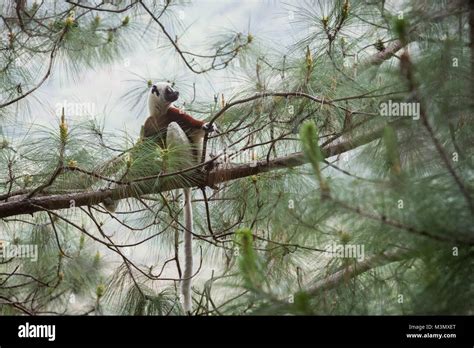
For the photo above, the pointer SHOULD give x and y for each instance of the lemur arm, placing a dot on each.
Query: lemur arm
(155, 125)
(184, 120)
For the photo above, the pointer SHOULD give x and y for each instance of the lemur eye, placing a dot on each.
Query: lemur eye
(155, 90)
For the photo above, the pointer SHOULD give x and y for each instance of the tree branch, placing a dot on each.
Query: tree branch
(23, 205)
(353, 271)
(380, 57)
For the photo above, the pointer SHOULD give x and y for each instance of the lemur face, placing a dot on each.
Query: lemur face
(161, 96)
(164, 92)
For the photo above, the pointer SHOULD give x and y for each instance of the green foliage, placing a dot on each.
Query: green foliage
(144, 302)
(309, 139)
(400, 28)
(249, 263)
(260, 241)
(391, 148)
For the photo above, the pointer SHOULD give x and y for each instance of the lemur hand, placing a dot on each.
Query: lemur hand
(209, 127)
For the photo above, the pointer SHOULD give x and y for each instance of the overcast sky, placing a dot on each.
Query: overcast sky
(101, 88)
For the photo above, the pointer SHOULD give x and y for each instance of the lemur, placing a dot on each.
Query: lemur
(165, 117)
(170, 126)
(181, 129)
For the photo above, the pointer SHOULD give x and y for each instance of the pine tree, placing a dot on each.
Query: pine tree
(341, 181)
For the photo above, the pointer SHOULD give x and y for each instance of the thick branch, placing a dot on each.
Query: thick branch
(21, 205)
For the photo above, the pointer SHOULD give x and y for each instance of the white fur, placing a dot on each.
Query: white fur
(157, 105)
(188, 252)
(175, 136)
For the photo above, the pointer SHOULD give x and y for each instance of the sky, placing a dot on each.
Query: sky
(102, 87)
